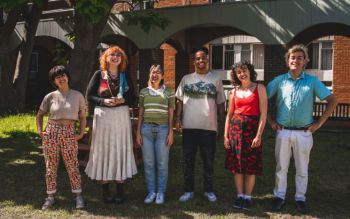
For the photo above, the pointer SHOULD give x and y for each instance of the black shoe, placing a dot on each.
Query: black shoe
(119, 199)
(301, 207)
(247, 204)
(106, 194)
(238, 203)
(278, 204)
(107, 199)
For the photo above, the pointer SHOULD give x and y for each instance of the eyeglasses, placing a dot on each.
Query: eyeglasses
(116, 54)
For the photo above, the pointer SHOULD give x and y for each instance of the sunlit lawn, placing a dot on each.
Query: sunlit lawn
(22, 183)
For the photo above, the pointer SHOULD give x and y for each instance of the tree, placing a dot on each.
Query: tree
(31, 12)
(31, 20)
(89, 21)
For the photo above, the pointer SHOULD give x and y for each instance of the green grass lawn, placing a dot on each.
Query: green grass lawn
(22, 182)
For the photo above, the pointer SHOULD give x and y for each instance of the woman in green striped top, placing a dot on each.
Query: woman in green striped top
(155, 132)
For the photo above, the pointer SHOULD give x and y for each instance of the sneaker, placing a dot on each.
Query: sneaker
(247, 204)
(186, 196)
(301, 207)
(210, 196)
(150, 198)
(79, 202)
(160, 198)
(49, 201)
(238, 202)
(278, 204)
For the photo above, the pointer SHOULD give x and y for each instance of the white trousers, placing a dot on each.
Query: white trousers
(300, 143)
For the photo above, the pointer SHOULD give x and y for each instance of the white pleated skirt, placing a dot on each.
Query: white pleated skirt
(111, 153)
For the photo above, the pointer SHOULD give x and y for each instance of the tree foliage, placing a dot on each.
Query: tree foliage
(147, 21)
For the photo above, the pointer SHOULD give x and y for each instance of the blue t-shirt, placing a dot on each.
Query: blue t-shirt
(295, 98)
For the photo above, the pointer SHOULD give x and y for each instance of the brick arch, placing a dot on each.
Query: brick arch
(320, 30)
(198, 35)
(341, 53)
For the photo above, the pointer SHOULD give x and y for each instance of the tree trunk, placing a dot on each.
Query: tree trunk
(83, 56)
(7, 62)
(24, 55)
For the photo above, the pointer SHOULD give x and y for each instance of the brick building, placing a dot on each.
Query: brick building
(261, 30)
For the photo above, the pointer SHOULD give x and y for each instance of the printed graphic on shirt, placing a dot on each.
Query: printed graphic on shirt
(200, 90)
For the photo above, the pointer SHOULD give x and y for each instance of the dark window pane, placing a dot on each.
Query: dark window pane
(216, 57)
(229, 59)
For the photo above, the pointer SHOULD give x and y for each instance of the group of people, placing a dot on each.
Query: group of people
(199, 116)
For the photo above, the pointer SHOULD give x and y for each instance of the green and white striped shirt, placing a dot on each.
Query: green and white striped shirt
(156, 105)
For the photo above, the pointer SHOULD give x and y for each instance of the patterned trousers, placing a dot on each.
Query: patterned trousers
(58, 138)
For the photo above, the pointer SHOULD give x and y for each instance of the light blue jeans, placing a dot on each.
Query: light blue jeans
(155, 155)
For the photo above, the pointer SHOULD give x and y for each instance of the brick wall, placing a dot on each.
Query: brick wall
(341, 68)
(174, 3)
(169, 65)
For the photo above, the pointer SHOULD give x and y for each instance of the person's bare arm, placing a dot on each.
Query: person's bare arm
(331, 104)
(263, 115)
(39, 123)
(178, 124)
(139, 123)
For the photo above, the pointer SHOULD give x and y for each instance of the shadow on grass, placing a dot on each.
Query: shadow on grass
(23, 184)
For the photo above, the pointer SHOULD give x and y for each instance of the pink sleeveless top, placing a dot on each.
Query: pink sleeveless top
(247, 106)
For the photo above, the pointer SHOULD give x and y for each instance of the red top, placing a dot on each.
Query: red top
(247, 106)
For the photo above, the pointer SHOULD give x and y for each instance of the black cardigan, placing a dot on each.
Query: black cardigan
(95, 100)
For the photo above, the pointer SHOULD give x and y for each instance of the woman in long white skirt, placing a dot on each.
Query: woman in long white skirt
(111, 155)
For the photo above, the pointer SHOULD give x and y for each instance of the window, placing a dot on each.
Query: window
(321, 55)
(33, 68)
(326, 56)
(224, 56)
(313, 55)
(258, 56)
(229, 56)
(216, 60)
(245, 53)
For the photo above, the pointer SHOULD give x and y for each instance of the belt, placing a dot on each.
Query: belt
(151, 123)
(295, 128)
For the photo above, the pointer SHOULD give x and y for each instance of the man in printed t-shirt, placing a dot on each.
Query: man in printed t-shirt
(200, 96)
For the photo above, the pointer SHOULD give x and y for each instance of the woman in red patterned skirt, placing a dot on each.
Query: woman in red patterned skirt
(245, 122)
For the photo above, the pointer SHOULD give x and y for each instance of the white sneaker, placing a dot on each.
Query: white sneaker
(160, 198)
(150, 198)
(49, 202)
(186, 196)
(79, 202)
(210, 196)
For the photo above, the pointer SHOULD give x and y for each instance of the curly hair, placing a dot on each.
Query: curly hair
(252, 73)
(104, 58)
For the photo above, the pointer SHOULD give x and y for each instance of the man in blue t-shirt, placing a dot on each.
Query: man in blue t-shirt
(295, 94)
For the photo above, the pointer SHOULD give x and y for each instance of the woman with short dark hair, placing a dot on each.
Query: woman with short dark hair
(65, 106)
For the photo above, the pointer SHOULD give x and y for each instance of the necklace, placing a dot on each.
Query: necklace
(113, 83)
